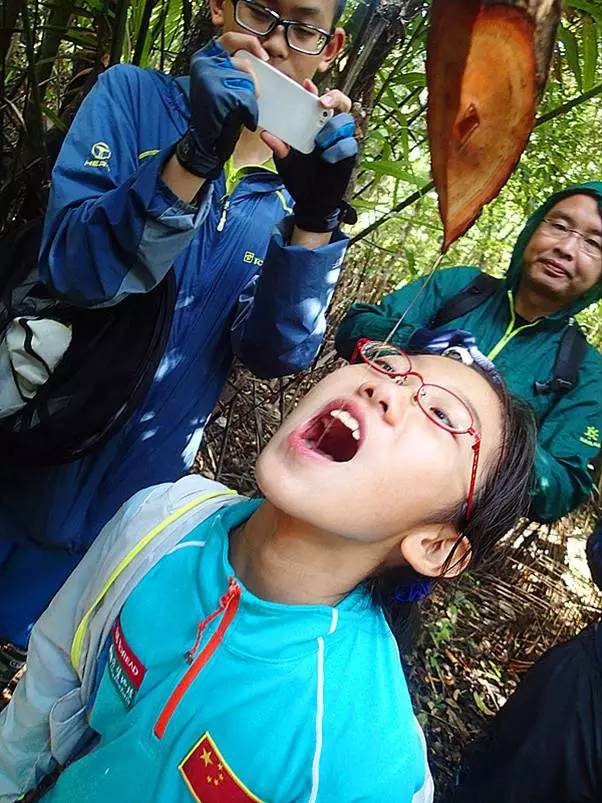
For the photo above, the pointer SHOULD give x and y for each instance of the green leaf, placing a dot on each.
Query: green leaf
(589, 37)
(368, 205)
(385, 167)
(571, 51)
(481, 705)
(54, 118)
(413, 79)
(590, 8)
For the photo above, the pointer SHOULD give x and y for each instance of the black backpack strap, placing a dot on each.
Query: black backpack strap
(570, 356)
(471, 297)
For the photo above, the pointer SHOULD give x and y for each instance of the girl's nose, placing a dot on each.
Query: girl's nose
(389, 397)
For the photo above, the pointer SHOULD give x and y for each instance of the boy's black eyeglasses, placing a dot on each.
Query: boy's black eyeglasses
(300, 36)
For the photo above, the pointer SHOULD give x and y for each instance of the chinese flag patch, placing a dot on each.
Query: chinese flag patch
(209, 778)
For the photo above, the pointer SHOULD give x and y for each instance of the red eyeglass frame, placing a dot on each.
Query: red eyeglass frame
(470, 430)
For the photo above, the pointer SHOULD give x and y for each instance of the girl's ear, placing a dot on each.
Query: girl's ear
(436, 550)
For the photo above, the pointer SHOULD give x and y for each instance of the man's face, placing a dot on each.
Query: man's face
(380, 467)
(559, 268)
(297, 66)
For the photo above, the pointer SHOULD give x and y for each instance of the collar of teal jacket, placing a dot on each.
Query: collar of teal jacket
(593, 188)
(270, 631)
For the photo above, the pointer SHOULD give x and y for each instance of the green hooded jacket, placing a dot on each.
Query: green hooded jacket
(570, 424)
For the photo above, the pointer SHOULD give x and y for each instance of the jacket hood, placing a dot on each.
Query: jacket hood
(593, 188)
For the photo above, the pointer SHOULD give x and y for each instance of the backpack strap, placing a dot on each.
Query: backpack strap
(471, 297)
(570, 356)
(82, 628)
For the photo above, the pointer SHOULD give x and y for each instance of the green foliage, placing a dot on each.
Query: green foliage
(562, 151)
(69, 39)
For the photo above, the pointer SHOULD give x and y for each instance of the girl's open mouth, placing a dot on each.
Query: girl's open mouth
(335, 433)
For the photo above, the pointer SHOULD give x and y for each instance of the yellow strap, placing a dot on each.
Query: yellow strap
(510, 330)
(82, 628)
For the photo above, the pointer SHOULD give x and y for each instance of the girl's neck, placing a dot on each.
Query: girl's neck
(282, 559)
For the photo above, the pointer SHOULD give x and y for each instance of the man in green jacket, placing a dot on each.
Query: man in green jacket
(555, 272)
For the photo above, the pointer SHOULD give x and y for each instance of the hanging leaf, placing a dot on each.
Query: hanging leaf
(589, 38)
(571, 52)
(486, 66)
(482, 97)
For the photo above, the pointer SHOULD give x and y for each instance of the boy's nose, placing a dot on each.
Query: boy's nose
(275, 43)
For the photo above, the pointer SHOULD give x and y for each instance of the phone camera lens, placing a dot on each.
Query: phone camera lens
(325, 114)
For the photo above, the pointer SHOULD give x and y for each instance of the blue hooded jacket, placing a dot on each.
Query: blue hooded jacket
(114, 228)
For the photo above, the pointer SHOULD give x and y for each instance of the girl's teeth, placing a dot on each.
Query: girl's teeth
(348, 420)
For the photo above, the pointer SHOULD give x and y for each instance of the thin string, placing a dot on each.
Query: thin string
(425, 284)
(389, 337)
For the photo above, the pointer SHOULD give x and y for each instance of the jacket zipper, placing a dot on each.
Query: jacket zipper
(228, 605)
(222, 221)
(510, 330)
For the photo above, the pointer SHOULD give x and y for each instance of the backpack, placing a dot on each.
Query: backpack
(102, 376)
(571, 351)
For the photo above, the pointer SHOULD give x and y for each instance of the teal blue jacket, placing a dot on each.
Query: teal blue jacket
(570, 424)
(273, 702)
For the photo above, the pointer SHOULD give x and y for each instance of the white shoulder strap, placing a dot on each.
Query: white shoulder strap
(126, 560)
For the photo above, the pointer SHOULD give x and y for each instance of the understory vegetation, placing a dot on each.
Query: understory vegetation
(479, 635)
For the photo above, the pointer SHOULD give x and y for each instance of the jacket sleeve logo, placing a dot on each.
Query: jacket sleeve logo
(100, 153)
(591, 437)
(209, 778)
(125, 668)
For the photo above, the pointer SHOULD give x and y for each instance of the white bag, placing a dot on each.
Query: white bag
(29, 352)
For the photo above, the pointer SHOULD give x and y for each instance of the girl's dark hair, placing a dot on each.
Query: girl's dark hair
(502, 497)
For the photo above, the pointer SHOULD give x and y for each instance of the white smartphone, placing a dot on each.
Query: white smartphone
(286, 109)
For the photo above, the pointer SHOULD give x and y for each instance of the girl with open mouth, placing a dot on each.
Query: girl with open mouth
(215, 648)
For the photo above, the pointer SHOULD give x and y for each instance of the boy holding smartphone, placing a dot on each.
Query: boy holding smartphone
(158, 172)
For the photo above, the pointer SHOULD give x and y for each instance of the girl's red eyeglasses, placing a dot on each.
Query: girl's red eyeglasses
(441, 406)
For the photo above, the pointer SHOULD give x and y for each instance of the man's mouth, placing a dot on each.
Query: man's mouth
(555, 268)
(335, 434)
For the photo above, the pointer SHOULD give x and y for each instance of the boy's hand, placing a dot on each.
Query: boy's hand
(318, 181)
(222, 101)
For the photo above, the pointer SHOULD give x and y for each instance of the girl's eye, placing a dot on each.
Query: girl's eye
(442, 417)
(594, 245)
(559, 227)
(384, 365)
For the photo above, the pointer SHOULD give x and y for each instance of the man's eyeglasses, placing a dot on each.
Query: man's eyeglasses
(300, 36)
(441, 406)
(588, 244)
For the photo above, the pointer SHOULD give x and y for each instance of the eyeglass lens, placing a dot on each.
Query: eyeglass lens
(262, 21)
(441, 406)
(590, 245)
